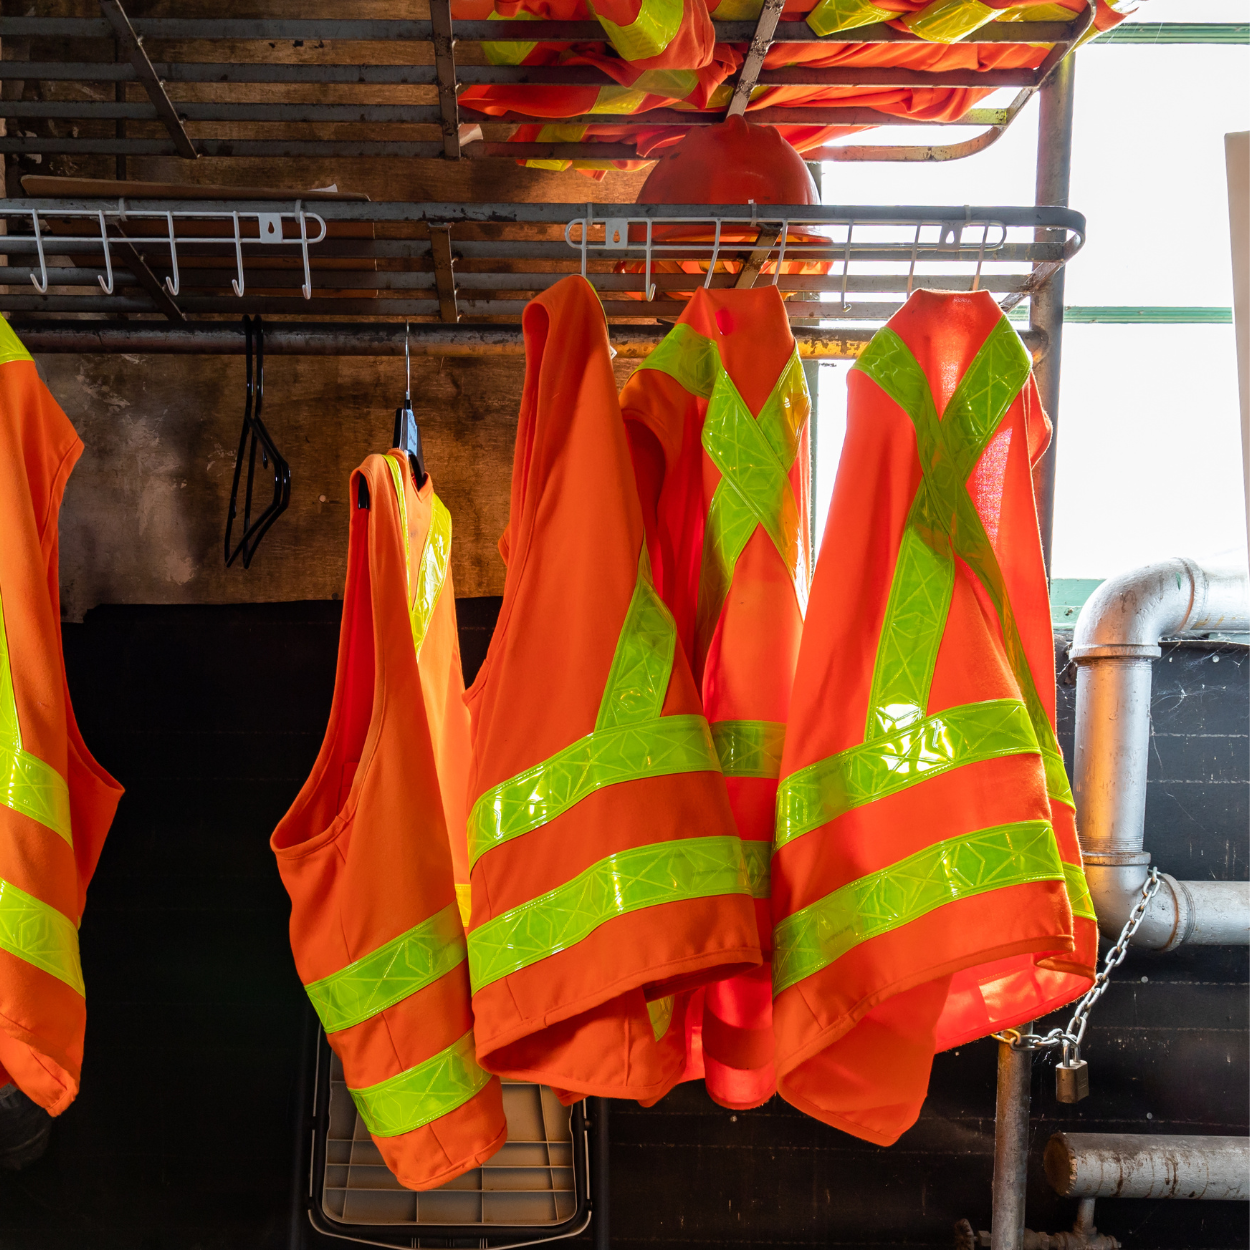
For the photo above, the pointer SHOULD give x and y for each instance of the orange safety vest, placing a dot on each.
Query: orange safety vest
(56, 802)
(717, 416)
(606, 871)
(926, 879)
(364, 853)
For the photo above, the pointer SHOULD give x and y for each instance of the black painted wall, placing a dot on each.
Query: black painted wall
(183, 1136)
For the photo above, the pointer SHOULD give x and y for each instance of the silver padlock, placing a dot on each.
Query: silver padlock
(1071, 1080)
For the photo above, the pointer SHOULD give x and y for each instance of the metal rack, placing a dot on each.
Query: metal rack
(90, 107)
(446, 263)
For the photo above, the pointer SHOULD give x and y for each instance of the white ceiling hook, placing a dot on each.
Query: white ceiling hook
(105, 286)
(172, 284)
(237, 283)
(41, 287)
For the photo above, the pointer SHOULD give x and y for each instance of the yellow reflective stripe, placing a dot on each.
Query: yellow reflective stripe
(11, 347)
(688, 357)
(509, 53)
(423, 1093)
(654, 28)
(39, 935)
(435, 557)
(758, 859)
(832, 15)
(464, 902)
(947, 21)
(607, 757)
(958, 868)
(749, 748)
(27, 784)
(394, 971)
(862, 774)
(1038, 13)
(643, 660)
(1079, 897)
(628, 881)
(661, 1013)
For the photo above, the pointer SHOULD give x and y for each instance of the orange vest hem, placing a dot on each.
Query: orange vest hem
(687, 966)
(787, 1062)
(51, 1081)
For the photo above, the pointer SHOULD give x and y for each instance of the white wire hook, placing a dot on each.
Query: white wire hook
(306, 289)
(106, 287)
(238, 283)
(171, 285)
(43, 264)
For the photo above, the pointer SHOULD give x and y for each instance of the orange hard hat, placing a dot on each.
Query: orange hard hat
(732, 162)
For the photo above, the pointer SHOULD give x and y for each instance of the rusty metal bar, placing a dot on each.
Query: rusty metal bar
(1054, 170)
(128, 254)
(750, 71)
(376, 338)
(445, 67)
(444, 279)
(764, 245)
(1011, 1146)
(132, 45)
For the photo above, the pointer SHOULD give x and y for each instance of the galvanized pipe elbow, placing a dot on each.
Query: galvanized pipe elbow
(1114, 646)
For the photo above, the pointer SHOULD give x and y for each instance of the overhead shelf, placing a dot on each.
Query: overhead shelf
(462, 273)
(88, 111)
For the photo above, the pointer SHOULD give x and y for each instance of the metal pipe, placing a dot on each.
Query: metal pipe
(1115, 642)
(1131, 1165)
(1054, 175)
(1011, 1145)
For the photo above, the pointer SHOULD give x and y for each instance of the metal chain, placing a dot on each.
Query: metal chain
(1070, 1038)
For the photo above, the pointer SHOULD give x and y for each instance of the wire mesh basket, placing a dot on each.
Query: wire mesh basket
(536, 1188)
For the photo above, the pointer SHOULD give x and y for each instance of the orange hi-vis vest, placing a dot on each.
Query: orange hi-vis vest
(56, 802)
(718, 416)
(607, 875)
(364, 852)
(926, 879)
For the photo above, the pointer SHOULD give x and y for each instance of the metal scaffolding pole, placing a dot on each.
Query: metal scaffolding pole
(1054, 170)
(1011, 1145)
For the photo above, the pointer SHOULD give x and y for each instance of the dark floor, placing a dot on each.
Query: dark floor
(183, 1136)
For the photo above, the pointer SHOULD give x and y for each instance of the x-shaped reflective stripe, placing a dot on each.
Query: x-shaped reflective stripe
(754, 455)
(943, 523)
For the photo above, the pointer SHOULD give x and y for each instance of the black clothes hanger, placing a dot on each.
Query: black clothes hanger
(407, 432)
(254, 432)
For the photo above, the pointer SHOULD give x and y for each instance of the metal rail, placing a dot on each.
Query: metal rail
(189, 258)
(197, 128)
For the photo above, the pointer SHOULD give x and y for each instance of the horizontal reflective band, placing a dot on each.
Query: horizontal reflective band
(1079, 898)
(654, 28)
(509, 53)
(606, 757)
(948, 21)
(749, 748)
(35, 789)
(629, 881)
(27, 784)
(40, 935)
(987, 859)
(825, 790)
(424, 1093)
(391, 973)
(832, 15)
(758, 858)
